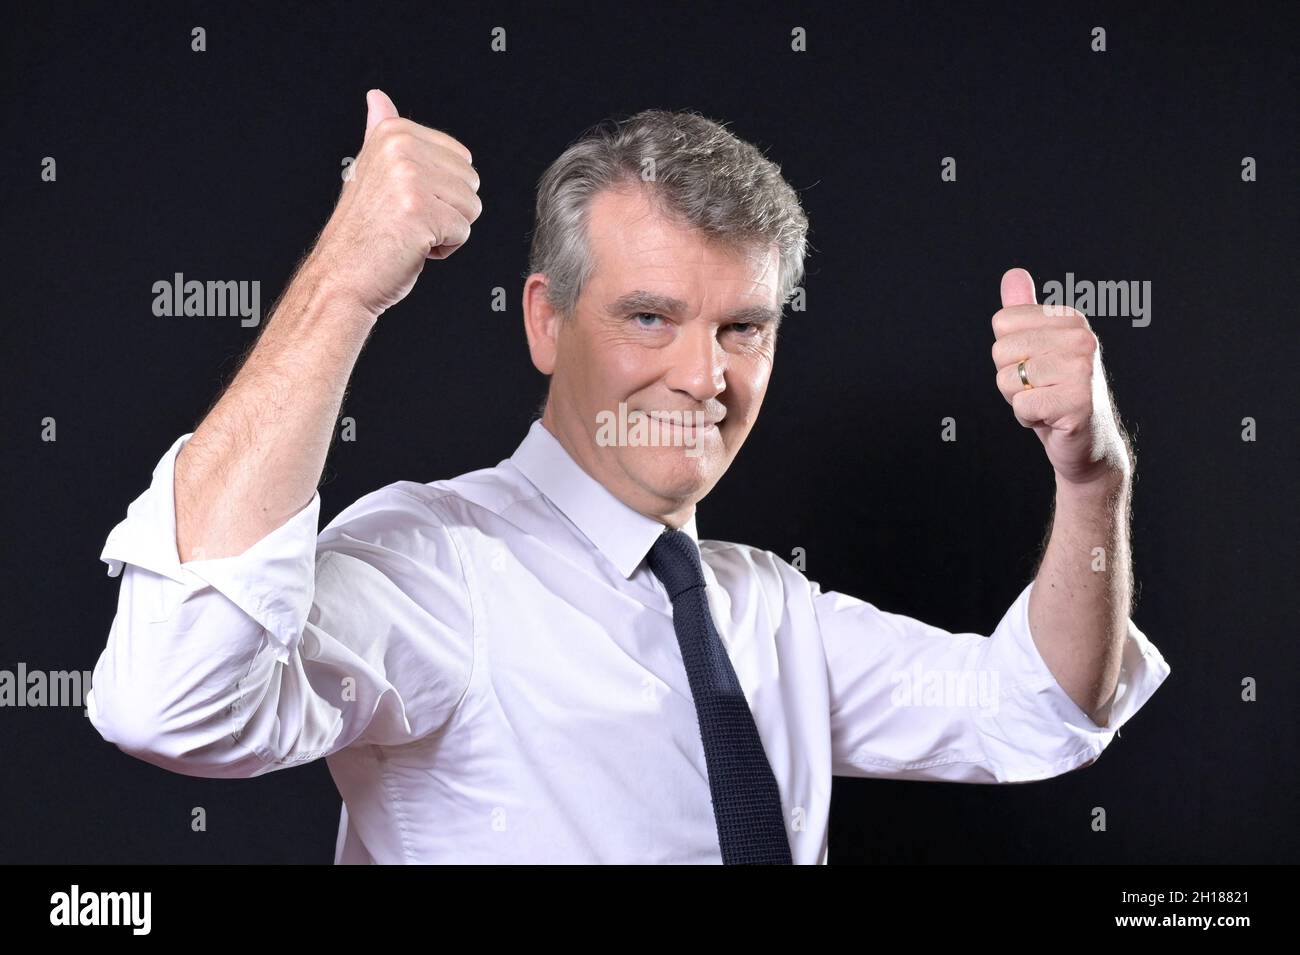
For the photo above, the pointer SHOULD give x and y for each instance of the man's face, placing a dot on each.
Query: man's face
(668, 324)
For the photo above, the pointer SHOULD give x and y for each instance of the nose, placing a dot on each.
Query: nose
(698, 362)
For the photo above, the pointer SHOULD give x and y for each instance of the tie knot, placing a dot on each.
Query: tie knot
(675, 560)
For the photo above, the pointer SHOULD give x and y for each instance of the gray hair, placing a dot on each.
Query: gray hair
(698, 173)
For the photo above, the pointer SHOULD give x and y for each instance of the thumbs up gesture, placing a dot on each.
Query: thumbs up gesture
(1049, 369)
(412, 197)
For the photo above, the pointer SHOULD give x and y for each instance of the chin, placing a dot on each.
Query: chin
(671, 473)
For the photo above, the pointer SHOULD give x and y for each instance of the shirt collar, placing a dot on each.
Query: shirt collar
(622, 534)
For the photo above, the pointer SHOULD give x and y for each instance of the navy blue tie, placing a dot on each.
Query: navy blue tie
(746, 801)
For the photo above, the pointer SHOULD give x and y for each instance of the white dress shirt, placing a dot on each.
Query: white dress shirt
(491, 672)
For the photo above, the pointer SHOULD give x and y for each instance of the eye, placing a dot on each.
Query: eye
(640, 315)
(744, 329)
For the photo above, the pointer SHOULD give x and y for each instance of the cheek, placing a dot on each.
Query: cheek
(600, 368)
(748, 380)
(625, 369)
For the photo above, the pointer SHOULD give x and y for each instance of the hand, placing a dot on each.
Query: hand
(412, 197)
(1069, 405)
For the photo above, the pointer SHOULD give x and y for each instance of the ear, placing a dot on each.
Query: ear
(541, 323)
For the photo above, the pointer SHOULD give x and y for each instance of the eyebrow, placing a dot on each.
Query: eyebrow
(642, 301)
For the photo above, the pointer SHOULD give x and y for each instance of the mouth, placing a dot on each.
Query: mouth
(688, 423)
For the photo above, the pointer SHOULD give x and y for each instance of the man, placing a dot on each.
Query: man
(541, 661)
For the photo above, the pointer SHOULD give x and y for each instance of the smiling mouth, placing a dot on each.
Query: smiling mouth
(685, 425)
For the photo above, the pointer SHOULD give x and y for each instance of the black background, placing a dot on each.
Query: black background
(1123, 165)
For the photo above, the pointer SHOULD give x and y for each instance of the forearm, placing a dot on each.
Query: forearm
(1081, 600)
(256, 458)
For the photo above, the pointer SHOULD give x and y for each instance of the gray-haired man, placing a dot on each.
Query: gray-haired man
(541, 661)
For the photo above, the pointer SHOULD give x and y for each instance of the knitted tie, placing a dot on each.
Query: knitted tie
(746, 801)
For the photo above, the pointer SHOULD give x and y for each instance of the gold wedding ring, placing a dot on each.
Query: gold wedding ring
(1024, 378)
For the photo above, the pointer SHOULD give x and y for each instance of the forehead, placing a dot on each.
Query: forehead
(632, 241)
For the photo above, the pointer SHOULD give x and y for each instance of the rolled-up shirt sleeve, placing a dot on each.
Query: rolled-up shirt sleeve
(271, 582)
(300, 646)
(913, 701)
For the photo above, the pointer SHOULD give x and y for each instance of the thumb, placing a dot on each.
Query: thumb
(378, 107)
(1018, 288)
